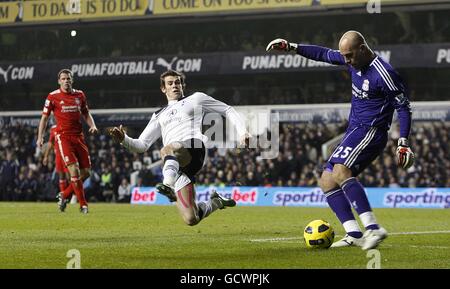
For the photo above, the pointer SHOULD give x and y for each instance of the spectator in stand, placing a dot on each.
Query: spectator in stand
(124, 191)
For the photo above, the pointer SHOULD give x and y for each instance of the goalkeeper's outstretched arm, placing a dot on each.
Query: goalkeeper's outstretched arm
(313, 52)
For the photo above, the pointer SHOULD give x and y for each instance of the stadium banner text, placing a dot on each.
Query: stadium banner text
(47, 11)
(62, 10)
(305, 197)
(341, 2)
(400, 56)
(9, 12)
(174, 7)
(182, 7)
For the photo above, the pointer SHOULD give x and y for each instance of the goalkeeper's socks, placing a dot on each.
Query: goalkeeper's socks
(356, 195)
(355, 234)
(369, 221)
(170, 170)
(339, 204)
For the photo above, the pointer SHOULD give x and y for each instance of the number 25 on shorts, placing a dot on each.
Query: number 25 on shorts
(342, 152)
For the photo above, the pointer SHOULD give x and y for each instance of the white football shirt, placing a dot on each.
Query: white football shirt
(181, 120)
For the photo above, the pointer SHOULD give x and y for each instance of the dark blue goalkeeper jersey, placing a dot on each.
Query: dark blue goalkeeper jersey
(377, 90)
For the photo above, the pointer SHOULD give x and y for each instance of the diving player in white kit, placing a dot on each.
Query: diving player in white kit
(179, 124)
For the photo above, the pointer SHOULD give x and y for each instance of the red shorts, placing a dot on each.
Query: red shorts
(73, 149)
(59, 163)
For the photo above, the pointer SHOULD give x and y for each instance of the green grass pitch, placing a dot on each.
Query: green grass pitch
(36, 235)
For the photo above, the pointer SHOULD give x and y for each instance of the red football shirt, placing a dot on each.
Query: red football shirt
(67, 108)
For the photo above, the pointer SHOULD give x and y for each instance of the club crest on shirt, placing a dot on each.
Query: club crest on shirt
(77, 101)
(365, 85)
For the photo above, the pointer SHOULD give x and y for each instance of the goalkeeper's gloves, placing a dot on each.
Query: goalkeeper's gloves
(405, 156)
(282, 45)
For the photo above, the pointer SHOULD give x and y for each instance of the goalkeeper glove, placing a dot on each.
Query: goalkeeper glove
(405, 156)
(282, 45)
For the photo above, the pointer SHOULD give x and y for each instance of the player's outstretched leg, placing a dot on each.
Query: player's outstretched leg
(186, 205)
(170, 170)
(215, 202)
(170, 173)
(191, 212)
(221, 201)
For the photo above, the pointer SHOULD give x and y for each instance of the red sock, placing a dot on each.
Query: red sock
(62, 185)
(68, 190)
(77, 185)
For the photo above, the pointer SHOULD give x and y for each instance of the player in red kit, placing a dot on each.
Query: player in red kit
(68, 106)
(60, 167)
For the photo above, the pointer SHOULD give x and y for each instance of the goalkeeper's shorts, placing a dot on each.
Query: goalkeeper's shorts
(359, 147)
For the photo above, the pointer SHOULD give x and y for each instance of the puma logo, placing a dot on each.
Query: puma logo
(4, 73)
(164, 63)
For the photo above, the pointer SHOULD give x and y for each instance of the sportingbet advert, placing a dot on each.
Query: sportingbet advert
(306, 197)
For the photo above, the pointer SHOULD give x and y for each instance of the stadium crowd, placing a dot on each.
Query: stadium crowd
(156, 38)
(24, 178)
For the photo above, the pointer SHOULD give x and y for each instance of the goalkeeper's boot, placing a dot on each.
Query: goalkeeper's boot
(348, 241)
(84, 210)
(223, 202)
(166, 191)
(372, 238)
(62, 203)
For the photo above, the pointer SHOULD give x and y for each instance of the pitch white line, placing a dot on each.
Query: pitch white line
(416, 246)
(420, 233)
(281, 239)
(275, 239)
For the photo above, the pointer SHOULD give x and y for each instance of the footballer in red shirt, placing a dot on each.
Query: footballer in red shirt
(69, 106)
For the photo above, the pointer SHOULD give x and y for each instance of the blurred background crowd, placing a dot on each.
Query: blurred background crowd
(300, 160)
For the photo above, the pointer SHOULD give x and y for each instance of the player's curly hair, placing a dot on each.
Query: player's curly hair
(172, 73)
(66, 71)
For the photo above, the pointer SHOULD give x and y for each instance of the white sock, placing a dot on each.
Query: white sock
(351, 226)
(367, 219)
(208, 207)
(170, 171)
